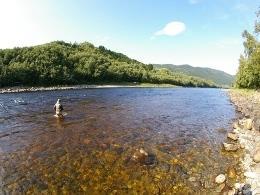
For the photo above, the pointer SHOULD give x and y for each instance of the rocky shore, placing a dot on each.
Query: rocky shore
(34, 89)
(246, 136)
(54, 88)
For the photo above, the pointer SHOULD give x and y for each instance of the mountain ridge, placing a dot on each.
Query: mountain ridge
(217, 76)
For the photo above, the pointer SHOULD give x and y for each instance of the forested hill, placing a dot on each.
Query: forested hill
(59, 63)
(219, 77)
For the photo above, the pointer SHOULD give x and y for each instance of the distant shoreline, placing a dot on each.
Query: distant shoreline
(91, 86)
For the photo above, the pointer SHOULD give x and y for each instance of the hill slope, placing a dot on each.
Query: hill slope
(59, 62)
(219, 77)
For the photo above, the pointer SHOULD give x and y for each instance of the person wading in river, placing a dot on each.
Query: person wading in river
(58, 108)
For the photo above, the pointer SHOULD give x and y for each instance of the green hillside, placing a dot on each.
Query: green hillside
(219, 77)
(59, 63)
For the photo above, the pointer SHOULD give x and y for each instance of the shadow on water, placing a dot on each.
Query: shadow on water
(115, 141)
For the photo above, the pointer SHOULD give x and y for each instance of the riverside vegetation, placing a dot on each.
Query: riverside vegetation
(248, 75)
(61, 63)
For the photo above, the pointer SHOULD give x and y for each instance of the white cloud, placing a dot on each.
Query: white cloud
(172, 29)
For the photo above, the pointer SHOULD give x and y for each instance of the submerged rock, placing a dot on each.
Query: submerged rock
(222, 130)
(233, 136)
(256, 156)
(231, 147)
(220, 179)
(220, 187)
(139, 155)
(143, 157)
(150, 159)
(231, 172)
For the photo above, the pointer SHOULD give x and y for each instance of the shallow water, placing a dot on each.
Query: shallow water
(92, 150)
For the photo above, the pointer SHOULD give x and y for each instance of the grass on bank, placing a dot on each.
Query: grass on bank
(244, 92)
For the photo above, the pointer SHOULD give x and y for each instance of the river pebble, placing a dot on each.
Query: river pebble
(231, 146)
(233, 136)
(256, 156)
(220, 179)
(248, 124)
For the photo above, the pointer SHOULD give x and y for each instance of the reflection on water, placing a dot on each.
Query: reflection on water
(114, 141)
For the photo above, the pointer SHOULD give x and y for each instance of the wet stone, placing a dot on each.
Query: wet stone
(231, 146)
(246, 186)
(231, 172)
(150, 159)
(220, 187)
(256, 156)
(236, 125)
(246, 189)
(248, 124)
(143, 157)
(242, 145)
(222, 130)
(192, 179)
(220, 179)
(233, 136)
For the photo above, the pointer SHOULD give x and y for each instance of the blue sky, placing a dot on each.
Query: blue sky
(203, 33)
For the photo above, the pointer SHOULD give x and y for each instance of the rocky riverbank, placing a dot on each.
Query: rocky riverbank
(54, 88)
(246, 136)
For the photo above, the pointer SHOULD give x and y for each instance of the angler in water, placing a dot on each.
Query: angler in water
(58, 108)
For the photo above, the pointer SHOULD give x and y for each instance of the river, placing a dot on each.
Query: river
(95, 148)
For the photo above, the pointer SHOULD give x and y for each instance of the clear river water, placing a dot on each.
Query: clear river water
(116, 141)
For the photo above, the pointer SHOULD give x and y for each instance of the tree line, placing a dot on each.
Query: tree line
(248, 75)
(61, 63)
